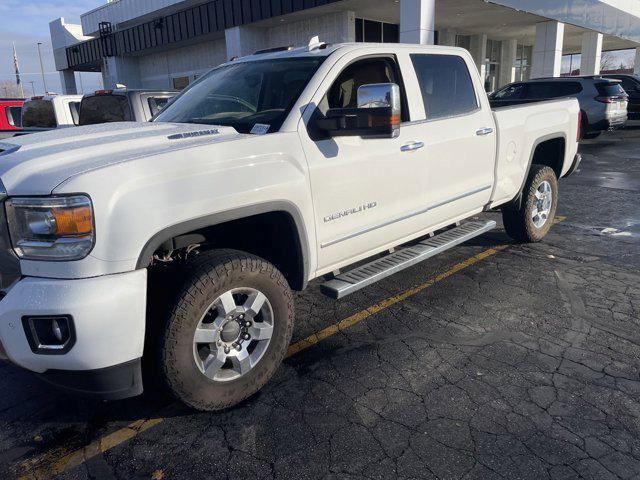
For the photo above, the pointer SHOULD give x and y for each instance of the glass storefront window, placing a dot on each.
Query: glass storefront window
(523, 62)
(463, 41)
(492, 65)
(376, 32)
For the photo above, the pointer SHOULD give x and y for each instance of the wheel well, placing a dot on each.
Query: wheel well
(551, 153)
(273, 236)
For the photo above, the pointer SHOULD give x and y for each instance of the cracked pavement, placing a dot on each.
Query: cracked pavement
(523, 365)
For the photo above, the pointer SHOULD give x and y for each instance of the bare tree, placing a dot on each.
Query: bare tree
(9, 89)
(611, 61)
(608, 61)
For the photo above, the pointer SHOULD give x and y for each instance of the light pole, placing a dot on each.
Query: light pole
(33, 88)
(44, 82)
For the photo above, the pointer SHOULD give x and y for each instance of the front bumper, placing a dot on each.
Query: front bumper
(109, 320)
(111, 383)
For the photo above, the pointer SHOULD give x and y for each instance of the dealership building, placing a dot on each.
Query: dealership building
(170, 43)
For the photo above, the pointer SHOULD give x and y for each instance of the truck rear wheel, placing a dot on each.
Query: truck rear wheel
(532, 221)
(228, 331)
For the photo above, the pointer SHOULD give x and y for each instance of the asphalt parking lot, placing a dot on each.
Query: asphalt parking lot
(491, 361)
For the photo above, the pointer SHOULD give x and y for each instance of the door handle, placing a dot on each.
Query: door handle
(412, 147)
(484, 131)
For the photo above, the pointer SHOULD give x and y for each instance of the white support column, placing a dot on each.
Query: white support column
(591, 53)
(121, 70)
(68, 82)
(245, 40)
(447, 38)
(508, 62)
(417, 21)
(547, 51)
(478, 50)
(636, 68)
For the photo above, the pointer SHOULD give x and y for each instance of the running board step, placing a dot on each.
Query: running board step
(372, 272)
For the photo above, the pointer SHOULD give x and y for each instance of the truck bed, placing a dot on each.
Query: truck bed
(521, 128)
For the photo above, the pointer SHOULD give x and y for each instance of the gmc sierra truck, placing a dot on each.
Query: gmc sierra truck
(180, 241)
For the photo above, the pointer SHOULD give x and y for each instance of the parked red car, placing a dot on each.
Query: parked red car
(10, 115)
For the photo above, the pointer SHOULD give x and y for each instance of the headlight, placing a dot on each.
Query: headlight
(51, 228)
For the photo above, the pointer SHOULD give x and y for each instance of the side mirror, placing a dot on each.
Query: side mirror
(378, 114)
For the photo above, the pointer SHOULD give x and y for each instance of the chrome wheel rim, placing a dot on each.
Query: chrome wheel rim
(233, 334)
(542, 204)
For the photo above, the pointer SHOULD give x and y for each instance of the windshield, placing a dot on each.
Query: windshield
(104, 109)
(249, 96)
(39, 113)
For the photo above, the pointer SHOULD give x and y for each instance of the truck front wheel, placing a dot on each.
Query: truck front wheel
(228, 331)
(532, 220)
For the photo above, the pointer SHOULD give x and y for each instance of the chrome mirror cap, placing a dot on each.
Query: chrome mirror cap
(379, 95)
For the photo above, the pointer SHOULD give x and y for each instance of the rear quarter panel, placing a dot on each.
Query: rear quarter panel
(520, 129)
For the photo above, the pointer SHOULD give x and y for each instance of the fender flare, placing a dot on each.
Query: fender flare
(516, 203)
(302, 241)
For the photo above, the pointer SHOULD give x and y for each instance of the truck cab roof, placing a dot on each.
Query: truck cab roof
(131, 92)
(326, 49)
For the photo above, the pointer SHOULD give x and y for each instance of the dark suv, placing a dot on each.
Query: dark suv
(603, 102)
(122, 105)
(631, 85)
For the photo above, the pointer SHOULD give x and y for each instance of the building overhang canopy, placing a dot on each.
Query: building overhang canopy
(499, 19)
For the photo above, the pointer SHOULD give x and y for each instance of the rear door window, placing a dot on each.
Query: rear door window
(546, 90)
(566, 89)
(446, 85)
(104, 109)
(39, 114)
(541, 90)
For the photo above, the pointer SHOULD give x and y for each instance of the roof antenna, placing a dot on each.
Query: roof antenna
(315, 43)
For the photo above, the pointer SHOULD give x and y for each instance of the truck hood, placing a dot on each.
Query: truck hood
(36, 164)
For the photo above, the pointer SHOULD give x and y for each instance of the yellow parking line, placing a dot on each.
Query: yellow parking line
(362, 315)
(60, 460)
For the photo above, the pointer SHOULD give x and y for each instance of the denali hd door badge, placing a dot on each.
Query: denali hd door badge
(351, 211)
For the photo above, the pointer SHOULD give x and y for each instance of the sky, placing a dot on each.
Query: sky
(26, 22)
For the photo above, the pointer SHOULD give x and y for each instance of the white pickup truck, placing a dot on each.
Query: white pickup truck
(52, 111)
(181, 240)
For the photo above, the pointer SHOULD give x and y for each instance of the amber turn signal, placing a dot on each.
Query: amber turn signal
(73, 221)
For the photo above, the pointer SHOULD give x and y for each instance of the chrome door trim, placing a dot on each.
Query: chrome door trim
(404, 217)
(484, 131)
(412, 147)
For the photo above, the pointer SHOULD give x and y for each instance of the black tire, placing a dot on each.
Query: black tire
(519, 223)
(591, 136)
(210, 275)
